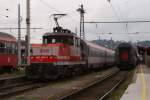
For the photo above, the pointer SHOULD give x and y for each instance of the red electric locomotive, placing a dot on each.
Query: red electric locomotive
(8, 52)
(63, 53)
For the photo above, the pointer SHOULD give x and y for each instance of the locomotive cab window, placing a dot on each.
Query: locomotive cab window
(58, 39)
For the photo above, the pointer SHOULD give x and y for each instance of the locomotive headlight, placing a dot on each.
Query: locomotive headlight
(37, 57)
(50, 57)
(32, 57)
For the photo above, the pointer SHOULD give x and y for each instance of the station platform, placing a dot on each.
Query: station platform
(139, 89)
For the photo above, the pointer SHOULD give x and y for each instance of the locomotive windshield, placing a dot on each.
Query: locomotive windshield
(58, 39)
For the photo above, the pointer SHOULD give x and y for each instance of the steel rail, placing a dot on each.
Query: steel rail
(112, 89)
(88, 86)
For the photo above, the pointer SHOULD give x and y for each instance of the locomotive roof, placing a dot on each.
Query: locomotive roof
(59, 31)
(7, 37)
(59, 34)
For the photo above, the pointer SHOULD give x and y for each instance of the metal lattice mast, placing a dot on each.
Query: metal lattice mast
(81, 11)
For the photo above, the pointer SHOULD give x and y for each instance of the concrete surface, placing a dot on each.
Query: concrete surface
(140, 88)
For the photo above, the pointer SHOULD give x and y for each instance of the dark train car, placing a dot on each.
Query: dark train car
(63, 53)
(8, 54)
(126, 56)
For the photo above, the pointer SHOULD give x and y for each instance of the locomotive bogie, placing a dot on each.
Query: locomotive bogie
(51, 71)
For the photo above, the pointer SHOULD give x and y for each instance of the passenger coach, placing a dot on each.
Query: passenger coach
(8, 52)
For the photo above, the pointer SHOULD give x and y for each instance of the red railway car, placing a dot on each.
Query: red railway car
(8, 52)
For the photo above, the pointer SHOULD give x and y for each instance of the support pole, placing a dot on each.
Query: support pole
(19, 36)
(28, 31)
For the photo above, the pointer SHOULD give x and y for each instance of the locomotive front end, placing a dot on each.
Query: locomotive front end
(42, 59)
(52, 58)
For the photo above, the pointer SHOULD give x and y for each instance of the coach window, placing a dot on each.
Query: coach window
(5, 44)
(5, 47)
(2, 45)
(9, 48)
(14, 48)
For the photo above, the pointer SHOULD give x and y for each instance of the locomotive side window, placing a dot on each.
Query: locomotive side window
(53, 40)
(45, 41)
(70, 41)
(77, 42)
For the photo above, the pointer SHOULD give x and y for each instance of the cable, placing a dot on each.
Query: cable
(123, 22)
(49, 6)
(126, 1)
(114, 10)
(58, 11)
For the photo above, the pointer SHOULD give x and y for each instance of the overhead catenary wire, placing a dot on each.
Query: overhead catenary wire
(49, 6)
(115, 22)
(119, 18)
(56, 10)
(114, 10)
(121, 33)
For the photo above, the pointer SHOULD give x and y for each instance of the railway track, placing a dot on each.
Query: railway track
(14, 85)
(14, 89)
(10, 80)
(98, 90)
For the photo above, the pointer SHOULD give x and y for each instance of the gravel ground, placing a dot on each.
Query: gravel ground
(60, 88)
(15, 73)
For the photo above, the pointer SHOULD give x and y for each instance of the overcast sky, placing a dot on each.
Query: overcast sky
(96, 10)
